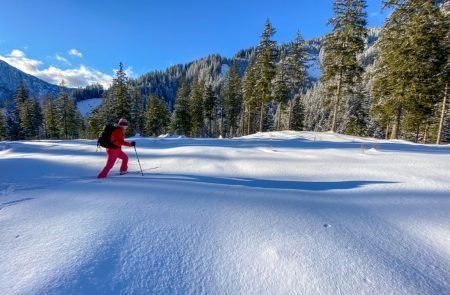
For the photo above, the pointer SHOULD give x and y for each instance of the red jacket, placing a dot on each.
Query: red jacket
(118, 139)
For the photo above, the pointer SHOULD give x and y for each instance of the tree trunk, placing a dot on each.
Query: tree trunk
(261, 117)
(336, 103)
(242, 123)
(249, 116)
(280, 108)
(443, 113)
(425, 136)
(290, 114)
(396, 126)
(387, 131)
(210, 127)
(416, 140)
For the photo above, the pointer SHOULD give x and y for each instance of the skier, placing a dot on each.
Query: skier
(117, 139)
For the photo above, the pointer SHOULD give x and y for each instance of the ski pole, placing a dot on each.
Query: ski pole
(138, 160)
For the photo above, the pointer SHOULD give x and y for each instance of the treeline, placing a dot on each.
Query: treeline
(27, 118)
(398, 90)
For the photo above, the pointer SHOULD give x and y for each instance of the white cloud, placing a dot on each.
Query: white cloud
(62, 58)
(17, 53)
(76, 77)
(75, 52)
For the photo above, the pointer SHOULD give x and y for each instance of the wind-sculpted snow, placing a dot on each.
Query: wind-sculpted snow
(271, 213)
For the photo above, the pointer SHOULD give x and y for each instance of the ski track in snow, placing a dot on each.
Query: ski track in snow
(272, 213)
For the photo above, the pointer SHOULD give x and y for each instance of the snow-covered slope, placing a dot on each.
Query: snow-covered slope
(272, 213)
(10, 78)
(87, 106)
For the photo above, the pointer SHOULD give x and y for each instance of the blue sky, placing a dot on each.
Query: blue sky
(83, 41)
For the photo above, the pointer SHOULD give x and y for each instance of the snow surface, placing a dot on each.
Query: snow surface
(272, 213)
(87, 106)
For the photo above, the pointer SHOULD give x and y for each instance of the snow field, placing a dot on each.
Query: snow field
(273, 213)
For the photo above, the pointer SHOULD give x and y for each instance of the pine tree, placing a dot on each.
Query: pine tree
(26, 122)
(209, 105)
(2, 125)
(298, 116)
(20, 106)
(157, 117)
(281, 91)
(296, 63)
(233, 99)
(51, 128)
(12, 121)
(197, 112)
(266, 58)
(355, 119)
(68, 116)
(341, 68)
(250, 98)
(121, 100)
(137, 112)
(181, 117)
(37, 117)
(413, 53)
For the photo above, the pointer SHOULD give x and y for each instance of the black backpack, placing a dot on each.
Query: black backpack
(104, 140)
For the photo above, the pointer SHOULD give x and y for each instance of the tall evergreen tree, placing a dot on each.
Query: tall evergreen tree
(298, 114)
(356, 115)
(209, 105)
(250, 98)
(341, 68)
(2, 125)
(20, 106)
(12, 121)
(266, 58)
(296, 63)
(413, 54)
(181, 117)
(137, 111)
(281, 89)
(157, 117)
(37, 117)
(26, 122)
(51, 128)
(233, 99)
(121, 99)
(68, 116)
(196, 105)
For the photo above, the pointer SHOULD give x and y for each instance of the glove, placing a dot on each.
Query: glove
(133, 143)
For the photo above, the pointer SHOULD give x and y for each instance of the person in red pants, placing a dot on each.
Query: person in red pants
(118, 139)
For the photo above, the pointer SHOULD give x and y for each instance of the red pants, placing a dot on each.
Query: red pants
(112, 157)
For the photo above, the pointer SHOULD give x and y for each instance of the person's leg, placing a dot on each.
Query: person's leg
(112, 157)
(124, 158)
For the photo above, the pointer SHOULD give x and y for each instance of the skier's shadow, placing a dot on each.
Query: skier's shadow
(267, 183)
